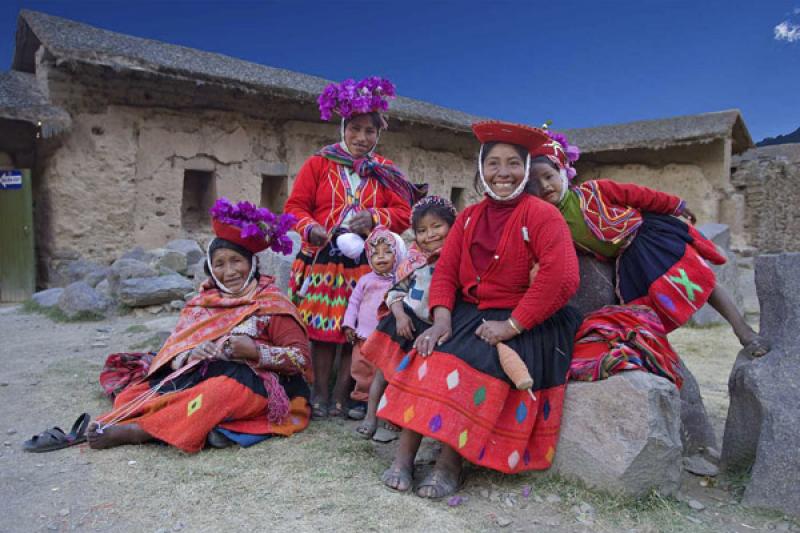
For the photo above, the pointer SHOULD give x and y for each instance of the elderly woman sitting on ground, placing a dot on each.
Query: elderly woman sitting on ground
(237, 367)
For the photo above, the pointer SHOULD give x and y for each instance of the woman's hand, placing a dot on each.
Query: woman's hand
(361, 223)
(435, 335)
(317, 236)
(206, 350)
(432, 337)
(687, 214)
(242, 348)
(494, 331)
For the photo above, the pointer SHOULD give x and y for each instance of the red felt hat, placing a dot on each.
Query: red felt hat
(232, 233)
(507, 132)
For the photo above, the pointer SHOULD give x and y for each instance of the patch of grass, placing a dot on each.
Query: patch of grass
(611, 509)
(57, 315)
(136, 328)
(737, 479)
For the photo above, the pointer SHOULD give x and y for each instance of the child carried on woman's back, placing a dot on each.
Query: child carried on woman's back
(431, 219)
(385, 250)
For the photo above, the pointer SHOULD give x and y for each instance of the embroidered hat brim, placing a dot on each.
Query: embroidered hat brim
(506, 132)
(233, 234)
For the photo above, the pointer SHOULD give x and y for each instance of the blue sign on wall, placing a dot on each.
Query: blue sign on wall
(10, 179)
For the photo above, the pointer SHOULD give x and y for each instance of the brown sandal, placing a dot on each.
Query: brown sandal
(319, 411)
(443, 483)
(336, 410)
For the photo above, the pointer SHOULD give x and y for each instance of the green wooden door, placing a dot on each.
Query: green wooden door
(17, 263)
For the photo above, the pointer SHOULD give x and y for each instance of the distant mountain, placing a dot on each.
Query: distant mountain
(793, 137)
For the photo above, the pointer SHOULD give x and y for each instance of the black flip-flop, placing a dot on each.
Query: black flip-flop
(55, 438)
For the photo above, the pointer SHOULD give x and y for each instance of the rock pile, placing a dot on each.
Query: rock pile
(147, 281)
(622, 434)
(628, 433)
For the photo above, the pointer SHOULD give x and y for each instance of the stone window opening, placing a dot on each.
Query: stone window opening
(274, 192)
(458, 198)
(199, 194)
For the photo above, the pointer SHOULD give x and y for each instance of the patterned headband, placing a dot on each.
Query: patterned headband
(432, 200)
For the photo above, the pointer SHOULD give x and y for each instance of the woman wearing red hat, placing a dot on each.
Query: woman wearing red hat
(339, 195)
(505, 274)
(236, 369)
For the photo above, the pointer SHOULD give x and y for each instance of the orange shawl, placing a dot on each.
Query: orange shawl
(212, 314)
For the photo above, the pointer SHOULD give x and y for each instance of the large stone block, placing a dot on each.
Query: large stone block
(140, 292)
(697, 433)
(622, 434)
(597, 290)
(80, 300)
(168, 259)
(597, 285)
(47, 298)
(764, 411)
(278, 265)
(189, 248)
(127, 268)
(78, 270)
(778, 286)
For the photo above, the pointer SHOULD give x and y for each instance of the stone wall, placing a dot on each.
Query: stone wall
(769, 178)
(117, 178)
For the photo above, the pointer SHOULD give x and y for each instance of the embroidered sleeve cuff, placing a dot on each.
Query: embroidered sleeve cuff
(679, 210)
(272, 357)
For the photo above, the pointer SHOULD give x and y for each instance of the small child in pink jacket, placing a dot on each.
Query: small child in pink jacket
(385, 250)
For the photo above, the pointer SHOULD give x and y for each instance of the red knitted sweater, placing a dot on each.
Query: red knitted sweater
(534, 270)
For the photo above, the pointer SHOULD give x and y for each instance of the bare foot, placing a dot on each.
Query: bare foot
(755, 345)
(367, 427)
(115, 436)
(445, 478)
(398, 476)
(439, 483)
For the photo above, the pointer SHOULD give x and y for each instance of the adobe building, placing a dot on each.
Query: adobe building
(128, 141)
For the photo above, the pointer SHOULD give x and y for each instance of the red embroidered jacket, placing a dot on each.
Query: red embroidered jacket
(535, 236)
(321, 193)
(612, 210)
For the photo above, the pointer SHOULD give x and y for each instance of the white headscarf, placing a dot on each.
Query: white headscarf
(517, 191)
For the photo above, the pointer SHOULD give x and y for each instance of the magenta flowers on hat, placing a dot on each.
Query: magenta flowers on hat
(572, 151)
(350, 98)
(255, 224)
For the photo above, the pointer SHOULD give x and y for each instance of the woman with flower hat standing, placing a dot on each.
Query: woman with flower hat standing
(237, 366)
(452, 386)
(339, 195)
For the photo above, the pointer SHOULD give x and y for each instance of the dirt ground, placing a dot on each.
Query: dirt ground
(324, 479)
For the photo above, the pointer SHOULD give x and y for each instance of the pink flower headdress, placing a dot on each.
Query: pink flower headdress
(559, 151)
(254, 228)
(351, 98)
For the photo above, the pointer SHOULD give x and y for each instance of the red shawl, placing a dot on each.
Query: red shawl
(212, 314)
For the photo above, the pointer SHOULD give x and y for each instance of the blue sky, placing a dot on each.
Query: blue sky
(578, 63)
